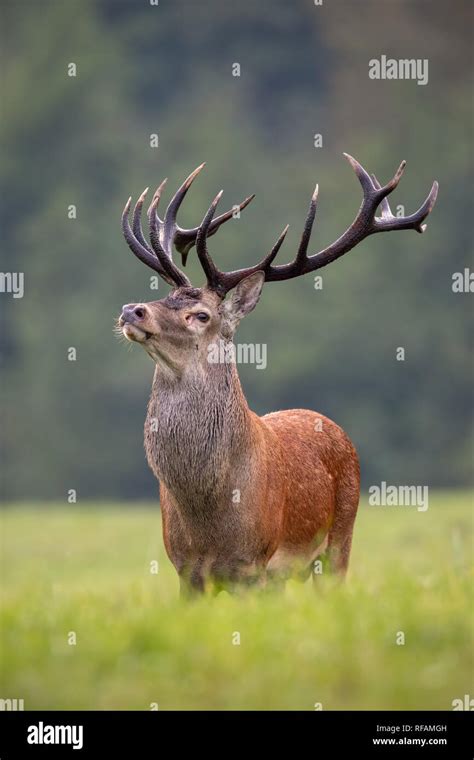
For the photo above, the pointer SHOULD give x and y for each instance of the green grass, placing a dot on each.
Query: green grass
(87, 569)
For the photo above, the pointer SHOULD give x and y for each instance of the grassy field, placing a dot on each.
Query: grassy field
(86, 570)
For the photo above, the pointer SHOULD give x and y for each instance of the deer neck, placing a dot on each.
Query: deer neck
(198, 429)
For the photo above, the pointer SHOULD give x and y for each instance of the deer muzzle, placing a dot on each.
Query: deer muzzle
(132, 321)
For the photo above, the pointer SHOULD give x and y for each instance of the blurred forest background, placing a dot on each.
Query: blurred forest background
(166, 69)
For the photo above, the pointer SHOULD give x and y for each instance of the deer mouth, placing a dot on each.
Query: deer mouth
(135, 334)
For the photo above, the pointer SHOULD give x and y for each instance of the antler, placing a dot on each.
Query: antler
(166, 233)
(365, 224)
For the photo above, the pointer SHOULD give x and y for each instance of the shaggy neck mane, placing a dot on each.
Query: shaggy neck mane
(197, 428)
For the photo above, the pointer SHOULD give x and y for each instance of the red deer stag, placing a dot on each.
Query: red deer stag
(243, 498)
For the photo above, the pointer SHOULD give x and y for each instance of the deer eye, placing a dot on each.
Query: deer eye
(202, 316)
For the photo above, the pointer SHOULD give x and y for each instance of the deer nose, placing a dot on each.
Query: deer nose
(132, 312)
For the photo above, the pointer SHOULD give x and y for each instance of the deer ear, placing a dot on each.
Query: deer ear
(243, 298)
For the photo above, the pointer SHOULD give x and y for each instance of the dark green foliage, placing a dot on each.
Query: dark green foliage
(167, 69)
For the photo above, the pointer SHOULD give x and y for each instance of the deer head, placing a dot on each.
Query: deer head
(177, 331)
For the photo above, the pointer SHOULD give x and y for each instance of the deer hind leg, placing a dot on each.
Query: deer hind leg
(340, 533)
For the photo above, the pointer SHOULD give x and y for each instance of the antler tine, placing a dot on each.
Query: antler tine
(413, 221)
(215, 278)
(265, 263)
(363, 176)
(384, 204)
(231, 279)
(307, 229)
(169, 223)
(165, 259)
(390, 222)
(141, 251)
(157, 194)
(392, 184)
(137, 221)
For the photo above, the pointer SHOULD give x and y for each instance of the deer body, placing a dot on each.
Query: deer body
(243, 498)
